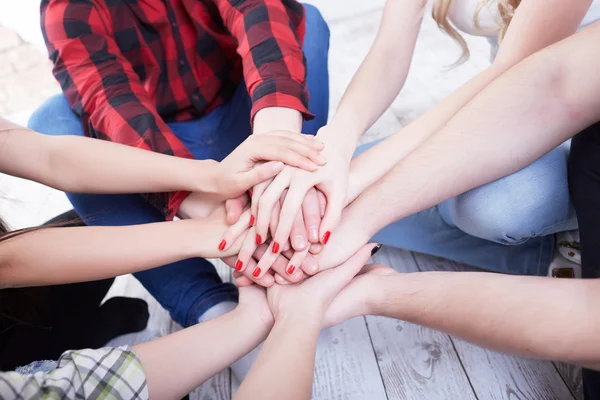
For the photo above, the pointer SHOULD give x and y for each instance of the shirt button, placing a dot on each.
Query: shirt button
(174, 25)
(181, 61)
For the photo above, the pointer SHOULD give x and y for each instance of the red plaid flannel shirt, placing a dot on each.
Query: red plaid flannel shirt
(127, 66)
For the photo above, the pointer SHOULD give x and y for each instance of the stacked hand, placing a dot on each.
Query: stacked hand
(293, 214)
(329, 298)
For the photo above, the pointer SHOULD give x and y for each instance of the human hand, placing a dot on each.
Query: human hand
(330, 180)
(253, 300)
(314, 296)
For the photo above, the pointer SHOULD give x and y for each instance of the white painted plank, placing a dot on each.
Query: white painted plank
(495, 375)
(415, 362)
(335, 11)
(346, 367)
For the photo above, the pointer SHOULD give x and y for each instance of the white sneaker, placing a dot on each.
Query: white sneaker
(567, 257)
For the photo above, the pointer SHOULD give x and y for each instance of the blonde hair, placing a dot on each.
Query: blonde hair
(439, 12)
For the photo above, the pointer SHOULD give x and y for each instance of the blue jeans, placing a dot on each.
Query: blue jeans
(505, 226)
(188, 288)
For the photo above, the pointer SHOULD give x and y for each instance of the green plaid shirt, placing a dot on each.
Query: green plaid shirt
(109, 373)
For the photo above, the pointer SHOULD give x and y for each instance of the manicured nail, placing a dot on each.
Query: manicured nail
(275, 248)
(300, 242)
(238, 265)
(291, 270)
(326, 237)
(258, 239)
(278, 166)
(376, 249)
(252, 220)
(222, 245)
(256, 272)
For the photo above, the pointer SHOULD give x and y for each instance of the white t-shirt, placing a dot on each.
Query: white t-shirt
(461, 14)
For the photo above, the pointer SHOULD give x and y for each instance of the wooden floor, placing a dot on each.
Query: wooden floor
(372, 357)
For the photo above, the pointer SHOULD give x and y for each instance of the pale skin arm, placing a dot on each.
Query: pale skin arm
(525, 316)
(76, 164)
(528, 33)
(178, 363)
(522, 115)
(383, 71)
(66, 255)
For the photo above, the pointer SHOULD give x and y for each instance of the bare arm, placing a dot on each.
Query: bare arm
(66, 255)
(489, 309)
(76, 164)
(176, 364)
(383, 72)
(527, 34)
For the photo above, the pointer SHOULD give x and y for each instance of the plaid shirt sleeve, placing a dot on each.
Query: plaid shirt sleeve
(101, 86)
(109, 373)
(270, 34)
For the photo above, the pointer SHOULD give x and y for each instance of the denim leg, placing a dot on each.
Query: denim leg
(186, 288)
(443, 232)
(316, 51)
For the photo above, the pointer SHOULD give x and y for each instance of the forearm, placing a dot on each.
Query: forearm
(383, 72)
(176, 364)
(372, 165)
(284, 368)
(522, 115)
(65, 255)
(520, 315)
(82, 165)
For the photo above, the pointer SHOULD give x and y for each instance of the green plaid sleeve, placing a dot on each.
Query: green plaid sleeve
(109, 373)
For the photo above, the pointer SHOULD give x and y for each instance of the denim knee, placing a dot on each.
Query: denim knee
(55, 117)
(532, 202)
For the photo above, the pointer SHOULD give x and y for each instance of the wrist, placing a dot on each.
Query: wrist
(277, 119)
(307, 314)
(341, 136)
(205, 178)
(261, 323)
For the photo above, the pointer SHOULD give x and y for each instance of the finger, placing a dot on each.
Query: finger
(260, 173)
(235, 208)
(312, 215)
(247, 250)
(275, 217)
(298, 236)
(235, 231)
(333, 213)
(310, 139)
(257, 192)
(348, 270)
(310, 265)
(322, 202)
(295, 262)
(243, 281)
(295, 153)
(316, 248)
(278, 263)
(267, 203)
(282, 281)
(289, 212)
(266, 280)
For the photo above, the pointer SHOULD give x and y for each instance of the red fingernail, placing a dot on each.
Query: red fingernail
(239, 265)
(326, 237)
(291, 270)
(258, 239)
(256, 272)
(252, 221)
(222, 245)
(275, 247)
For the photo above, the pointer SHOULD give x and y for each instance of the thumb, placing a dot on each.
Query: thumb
(355, 264)
(333, 213)
(235, 208)
(259, 174)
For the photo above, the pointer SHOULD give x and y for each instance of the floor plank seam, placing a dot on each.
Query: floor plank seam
(463, 367)
(376, 358)
(564, 381)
